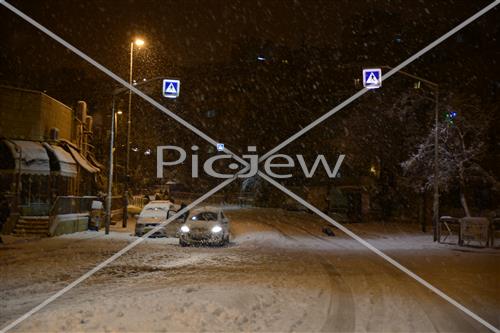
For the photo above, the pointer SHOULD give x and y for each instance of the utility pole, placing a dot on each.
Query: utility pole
(110, 171)
(129, 125)
(435, 204)
(138, 42)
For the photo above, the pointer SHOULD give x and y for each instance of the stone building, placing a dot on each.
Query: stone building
(46, 161)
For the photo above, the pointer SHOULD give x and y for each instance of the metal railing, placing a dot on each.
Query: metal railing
(117, 204)
(187, 197)
(138, 201)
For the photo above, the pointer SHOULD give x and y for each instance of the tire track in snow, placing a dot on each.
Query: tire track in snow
(437, 316)
(341, 310)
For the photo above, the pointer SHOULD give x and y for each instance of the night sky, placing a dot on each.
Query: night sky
(187, 33)
(314, 50)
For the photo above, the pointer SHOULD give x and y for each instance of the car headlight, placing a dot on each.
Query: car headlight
(185, 228)
(216, 229)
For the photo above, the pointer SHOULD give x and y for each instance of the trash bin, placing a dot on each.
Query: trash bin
(96, 215)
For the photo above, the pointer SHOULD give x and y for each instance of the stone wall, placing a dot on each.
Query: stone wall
(29, 115)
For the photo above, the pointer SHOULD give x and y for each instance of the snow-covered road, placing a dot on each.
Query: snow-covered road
(280, 273)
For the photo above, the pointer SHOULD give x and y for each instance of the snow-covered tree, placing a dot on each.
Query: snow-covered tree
(462, 144)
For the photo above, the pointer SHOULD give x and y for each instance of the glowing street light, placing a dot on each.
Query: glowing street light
(139, 42)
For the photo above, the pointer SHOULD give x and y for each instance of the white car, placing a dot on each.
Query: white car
(155, 213)
(206, 225)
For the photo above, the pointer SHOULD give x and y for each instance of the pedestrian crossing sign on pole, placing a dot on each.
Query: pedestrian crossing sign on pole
(171, 88)
(372, 78)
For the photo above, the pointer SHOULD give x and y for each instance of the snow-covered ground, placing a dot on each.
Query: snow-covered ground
(280, 273)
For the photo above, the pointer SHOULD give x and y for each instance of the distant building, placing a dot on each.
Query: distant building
(45, 158)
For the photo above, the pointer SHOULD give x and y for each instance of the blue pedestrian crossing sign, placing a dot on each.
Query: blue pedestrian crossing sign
(372, 78)
(171, 88)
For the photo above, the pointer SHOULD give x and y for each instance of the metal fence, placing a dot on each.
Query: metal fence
(188, 197)
(138, 201)
(68, 205)
(117, 205)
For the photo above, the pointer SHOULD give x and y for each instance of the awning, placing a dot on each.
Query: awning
(64, 163)
(82, 161)
(94, 162)
(30, 157)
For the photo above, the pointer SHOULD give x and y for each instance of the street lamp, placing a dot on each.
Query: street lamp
(114, 129)
(139, 43)
(117, 92)
(435, 205)
(118, 114)
(110, 170)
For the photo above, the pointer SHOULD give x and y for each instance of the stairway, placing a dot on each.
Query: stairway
(32, 226)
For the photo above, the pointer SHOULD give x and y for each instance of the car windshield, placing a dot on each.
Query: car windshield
(205, 216)
(156, 208)
(154, 211)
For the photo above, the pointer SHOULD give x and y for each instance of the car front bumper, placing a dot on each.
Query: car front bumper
(202, 238)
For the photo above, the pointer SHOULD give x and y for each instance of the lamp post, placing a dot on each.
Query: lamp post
(435, 204)
(137, 42)
(115, 94)
(118, 114)
(110, 169)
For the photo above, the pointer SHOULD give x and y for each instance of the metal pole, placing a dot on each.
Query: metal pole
(435, 206)
(110, 172)
(129, 124)
(129, 117)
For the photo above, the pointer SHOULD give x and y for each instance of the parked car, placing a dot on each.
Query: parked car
(206, 225)
(155, 213)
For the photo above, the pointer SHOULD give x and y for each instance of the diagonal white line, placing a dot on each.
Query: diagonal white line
(381, 254)
(117, 78)
(340, 107)
(114, 257)
(157, 105)
(385, 76)
(210, 140)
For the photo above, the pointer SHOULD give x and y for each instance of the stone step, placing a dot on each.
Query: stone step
(29, 233)
(39, 217)
(23, 229)
(34, 222)
(33, 226)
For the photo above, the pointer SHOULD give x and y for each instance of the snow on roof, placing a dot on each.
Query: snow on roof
(82, 161)
(31, 155)
(67, 165)
(159, 202)
(206, 209)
